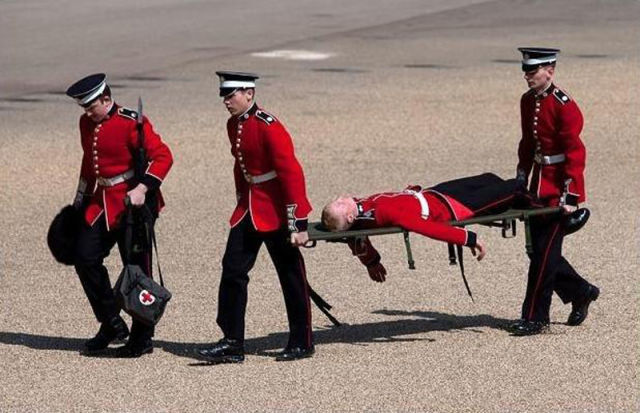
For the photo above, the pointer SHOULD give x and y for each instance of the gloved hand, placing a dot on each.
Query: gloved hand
(377, 272)
(78, 201)
(521, 178)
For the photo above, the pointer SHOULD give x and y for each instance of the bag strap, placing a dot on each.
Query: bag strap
(128, 231)
(150, 233)
(150, 229)
(155, 247)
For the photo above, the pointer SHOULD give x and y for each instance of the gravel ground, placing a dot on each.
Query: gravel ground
(409, 94)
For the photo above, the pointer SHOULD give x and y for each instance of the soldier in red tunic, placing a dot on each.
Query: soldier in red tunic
(423, 211)
(552, 154)
(109, 138)
(272, 208)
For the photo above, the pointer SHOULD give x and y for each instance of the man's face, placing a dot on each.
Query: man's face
(98, 109)
(338, 214)
(239, 101)
(538, 78)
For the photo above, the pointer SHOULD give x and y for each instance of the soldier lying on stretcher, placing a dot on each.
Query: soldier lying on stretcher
(424, 211)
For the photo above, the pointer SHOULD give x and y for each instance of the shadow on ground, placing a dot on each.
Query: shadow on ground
(410, 323)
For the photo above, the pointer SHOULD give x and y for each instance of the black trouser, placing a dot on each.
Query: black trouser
(549, 271)
(483, 194)
(243, 245)
(94, 245)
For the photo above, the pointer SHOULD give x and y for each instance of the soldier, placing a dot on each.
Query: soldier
(109, 137)
(552, 148)
(424, 211)
(272, 208)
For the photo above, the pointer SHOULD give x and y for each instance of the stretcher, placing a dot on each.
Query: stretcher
(506, 221)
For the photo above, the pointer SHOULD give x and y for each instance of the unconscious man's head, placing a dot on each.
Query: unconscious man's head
(339, 214)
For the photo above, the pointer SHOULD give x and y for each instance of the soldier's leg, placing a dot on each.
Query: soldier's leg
(94, 244)
(240, 255)
(461, 186)
(293, 280)
(496, 198)
(483, 194)
(547, 250)
(569, 285)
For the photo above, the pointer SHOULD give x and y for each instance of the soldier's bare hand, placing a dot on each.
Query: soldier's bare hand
(298, 239)
(137, 195)
(479, 251)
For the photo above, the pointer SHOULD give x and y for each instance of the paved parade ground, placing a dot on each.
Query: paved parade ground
(377, 95)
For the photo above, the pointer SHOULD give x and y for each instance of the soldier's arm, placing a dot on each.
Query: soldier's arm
(290, 175)
(87, 179)
(526, 147)
(238, 178)
(369, 257)
(159, 155)
(575, 154)
(436, 230)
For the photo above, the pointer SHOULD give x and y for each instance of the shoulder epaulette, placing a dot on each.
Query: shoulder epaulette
(128, 113)
(265, 117)
(561, 96)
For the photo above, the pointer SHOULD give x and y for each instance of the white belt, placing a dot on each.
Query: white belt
(549, 159)
(424, 206)
(258, 179)
(115, 180)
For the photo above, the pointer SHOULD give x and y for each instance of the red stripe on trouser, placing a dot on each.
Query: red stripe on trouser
(303, 271)
(542, 265)
(493, 204)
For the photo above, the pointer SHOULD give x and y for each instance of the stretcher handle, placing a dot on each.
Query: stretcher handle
(310, 244)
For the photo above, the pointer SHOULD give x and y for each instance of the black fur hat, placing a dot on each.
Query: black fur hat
(63, 235)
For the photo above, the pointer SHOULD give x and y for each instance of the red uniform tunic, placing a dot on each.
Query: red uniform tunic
(108, 152)
(551, 126)
(403, 209)
(269, 180)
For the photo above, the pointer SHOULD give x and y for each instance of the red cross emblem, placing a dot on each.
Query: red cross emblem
(146, 298)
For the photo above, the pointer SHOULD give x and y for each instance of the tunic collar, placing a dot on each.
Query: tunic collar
(546, 92)
(364, 213)
(253, 109)
(114, 108)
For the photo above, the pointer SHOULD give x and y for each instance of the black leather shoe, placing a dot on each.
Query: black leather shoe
(580, 308)
(295, 353)
(135, 348)
(224, 351)
(576, 220)
(114, 329)
(528, 328)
